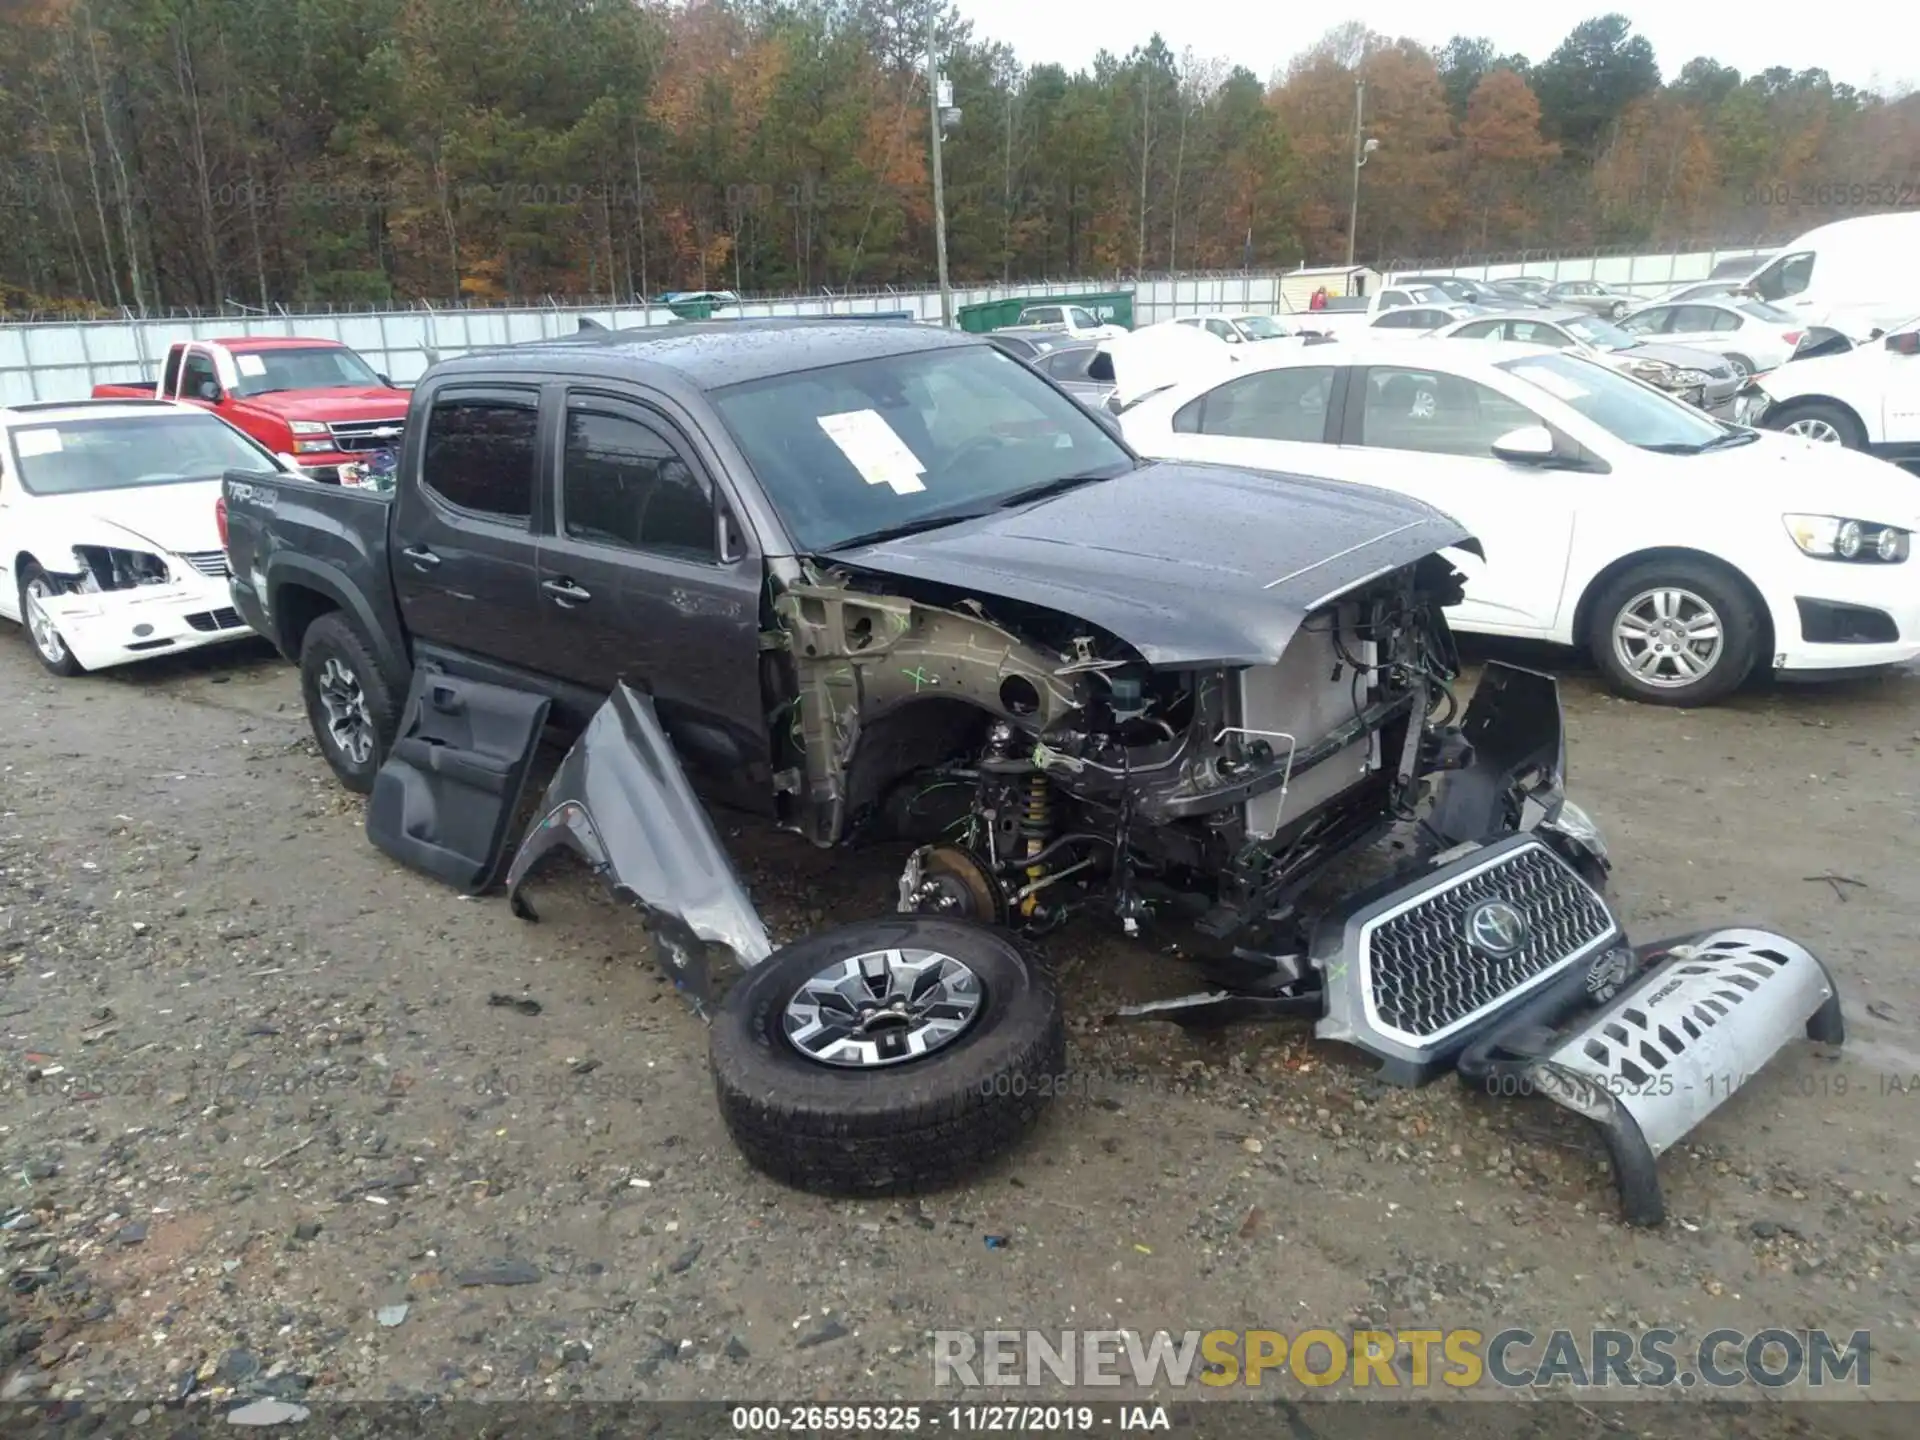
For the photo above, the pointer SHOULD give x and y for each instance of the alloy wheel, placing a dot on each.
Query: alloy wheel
(1812, 427)
(883, 1007)
(1668, 637)
(46, 637)
(349, 725)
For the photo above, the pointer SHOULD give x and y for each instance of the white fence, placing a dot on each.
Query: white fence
(61, 361)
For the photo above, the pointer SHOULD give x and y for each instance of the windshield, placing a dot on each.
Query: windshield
(72, 457)
(856, 451)
(1601, 335)
(1427, 294)
(1635, 413)
(1760, 310)
(315, 368)
(1261, 327)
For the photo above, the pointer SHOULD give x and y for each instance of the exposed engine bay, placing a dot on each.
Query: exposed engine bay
(1076, 777)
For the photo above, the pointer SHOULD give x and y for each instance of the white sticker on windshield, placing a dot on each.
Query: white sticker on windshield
(250, 364)
(37, 442)
(875, 450)
(1553, 382)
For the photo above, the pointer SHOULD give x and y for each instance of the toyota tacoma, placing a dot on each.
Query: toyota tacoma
(887, 582)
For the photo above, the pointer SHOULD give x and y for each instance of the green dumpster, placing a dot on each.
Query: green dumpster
(1110, 307)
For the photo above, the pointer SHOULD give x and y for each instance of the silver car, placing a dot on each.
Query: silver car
(1699, 377)
(1591, 296)
(1754, 336)
(1078, 370)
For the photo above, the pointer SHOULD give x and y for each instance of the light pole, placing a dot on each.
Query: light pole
(938, 110)
(1361, 150)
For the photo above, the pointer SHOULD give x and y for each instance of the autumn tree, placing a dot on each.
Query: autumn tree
(1503, 158)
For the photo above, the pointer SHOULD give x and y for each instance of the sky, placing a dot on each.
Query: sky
(1858, 42)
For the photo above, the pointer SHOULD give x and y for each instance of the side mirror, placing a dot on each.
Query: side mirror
(1529, 445)
(1905, 343)
(209, 391)
(382, 378)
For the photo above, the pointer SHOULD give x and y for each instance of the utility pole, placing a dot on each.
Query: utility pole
(1359, 159)
(936, 120)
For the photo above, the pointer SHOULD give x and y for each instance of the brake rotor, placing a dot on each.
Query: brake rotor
(953, 881)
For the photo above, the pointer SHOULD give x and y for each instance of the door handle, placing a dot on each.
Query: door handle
(566, 593)
(424, 558)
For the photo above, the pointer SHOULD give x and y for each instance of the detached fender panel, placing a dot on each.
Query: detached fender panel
(621, 801)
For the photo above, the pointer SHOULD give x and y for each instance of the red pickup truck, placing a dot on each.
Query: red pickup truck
(314, 400)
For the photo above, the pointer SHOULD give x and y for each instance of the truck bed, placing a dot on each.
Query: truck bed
(299, 548)
(138, 390)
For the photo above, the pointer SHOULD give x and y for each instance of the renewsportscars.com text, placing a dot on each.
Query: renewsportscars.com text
(1460, 1359)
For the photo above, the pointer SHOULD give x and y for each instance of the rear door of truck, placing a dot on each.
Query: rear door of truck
(463, 543)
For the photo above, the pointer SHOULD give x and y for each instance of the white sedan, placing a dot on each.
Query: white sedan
(1753, 335)
(112, 547)
(1683, 552)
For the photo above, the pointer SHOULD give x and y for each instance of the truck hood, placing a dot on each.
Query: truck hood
(1189, 564)
(336, 402)
(175, 518)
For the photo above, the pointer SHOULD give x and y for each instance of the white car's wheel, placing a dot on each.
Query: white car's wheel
(49, 647)
(1820, 421)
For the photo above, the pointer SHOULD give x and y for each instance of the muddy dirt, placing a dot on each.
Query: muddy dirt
(266, 1134)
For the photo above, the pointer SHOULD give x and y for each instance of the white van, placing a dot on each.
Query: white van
(1857, 275)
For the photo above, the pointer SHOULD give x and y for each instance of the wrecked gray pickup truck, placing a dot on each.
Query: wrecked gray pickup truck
(885, 583)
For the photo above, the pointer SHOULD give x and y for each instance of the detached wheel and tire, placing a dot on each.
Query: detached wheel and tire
(1675, 633)
(349, 705)
(48, 648)
(887, 1057)
(1821, 422)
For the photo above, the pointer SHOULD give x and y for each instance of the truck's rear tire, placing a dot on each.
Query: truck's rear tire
(930, 1100)
(351, 708)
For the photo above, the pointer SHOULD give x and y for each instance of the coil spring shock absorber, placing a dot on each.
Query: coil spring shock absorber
(1036, 828)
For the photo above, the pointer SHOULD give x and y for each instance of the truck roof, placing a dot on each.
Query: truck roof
(242, 344)
(713, 355)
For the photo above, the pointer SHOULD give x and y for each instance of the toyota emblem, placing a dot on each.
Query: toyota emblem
(1495, 928)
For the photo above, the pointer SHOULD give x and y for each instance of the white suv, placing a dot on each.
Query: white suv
(1074, 320)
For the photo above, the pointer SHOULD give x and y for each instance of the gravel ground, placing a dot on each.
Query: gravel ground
(267, 1131)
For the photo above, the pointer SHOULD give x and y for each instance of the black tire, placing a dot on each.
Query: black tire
(918, 1125)
(333, 641)
(65, 666)
(1844, 423)
(1739, 623)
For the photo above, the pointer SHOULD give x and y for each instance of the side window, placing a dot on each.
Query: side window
(1533, 332)
(1436, 414)
(1787, 276)
(1082, 319)
(1647, 322)
(1071, 365)
(1479, 330)
(623, 483)
(1222, 329)
(1726, 320)
(479, 454)
(1391, 298)
(1692, 319)
(1285, 404)
(1045, 315)
(196, 372)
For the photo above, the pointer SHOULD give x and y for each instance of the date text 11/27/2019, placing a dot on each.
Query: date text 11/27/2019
(955, 1419)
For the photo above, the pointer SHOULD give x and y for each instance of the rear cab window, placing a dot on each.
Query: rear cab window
(480, 453)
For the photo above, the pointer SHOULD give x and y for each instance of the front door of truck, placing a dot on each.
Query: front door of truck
(644, 579)
(462, 542)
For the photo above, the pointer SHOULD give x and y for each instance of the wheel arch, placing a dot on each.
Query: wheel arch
(300, 591)
(1597, 586)
(1783, 410)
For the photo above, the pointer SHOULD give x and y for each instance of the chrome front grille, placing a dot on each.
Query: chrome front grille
(211, 563)
(358, 435)
(1425, 978)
